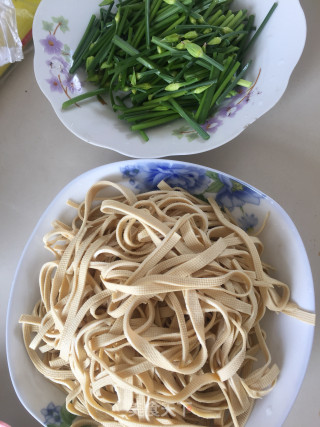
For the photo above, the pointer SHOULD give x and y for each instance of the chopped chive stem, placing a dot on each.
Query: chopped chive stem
(261, 27)
(205, 102)
(93, 38)
(188, 119)
(140, 29)
(187, 10)
(148, 116)
(227, 50)
(165, 77)
(128, 113)
(156, 4)
(191, 87)
(244, 83)
(180, 84)
(229, 62)
(155, 122)
(200, 74)
(79, 58)
(166, 97)
(221, 20)
(123, 22)
(248, 27)
(228, 19)
(233, 83)
(99, 43)
(107, 13)
(163, 55)
(136, 17)
(83, 40)
(162, 44)
(81, 97)
(173, 26)
(104, 79)
(202, 6)
(133, 6)
(204, 36)
(102, 54)
(128, 62)
(187, 65)
(130, 32)
(169, 11)
(113, 103)
(147, 22)
(238, 18)
(232, 34)
(104, 3)
(143, 135)
(140, 34)
(214, 18)
(210, 9)
(132, 109)
(160, 26)
(198, 27)
(225, 82)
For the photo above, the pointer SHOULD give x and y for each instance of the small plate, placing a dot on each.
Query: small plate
(58, 27)
(283, 249)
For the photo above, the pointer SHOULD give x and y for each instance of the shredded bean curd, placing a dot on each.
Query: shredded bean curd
(150, 312)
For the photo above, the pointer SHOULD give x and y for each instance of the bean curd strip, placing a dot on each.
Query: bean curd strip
(150, 312)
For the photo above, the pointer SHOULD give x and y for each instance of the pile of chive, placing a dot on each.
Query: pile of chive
(159, 60)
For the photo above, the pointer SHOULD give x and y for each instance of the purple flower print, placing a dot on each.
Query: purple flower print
(212, 124)
(58, 64)
(231, 108)
(59, 60)
(72, 84)
(60, 69)
(51, 45)
(55, 84)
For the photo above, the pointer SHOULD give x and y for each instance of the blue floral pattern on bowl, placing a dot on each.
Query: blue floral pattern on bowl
(190, 178)
(51, 414)
(229, 193)
(57, 416)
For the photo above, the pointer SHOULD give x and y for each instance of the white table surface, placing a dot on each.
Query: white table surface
(279, 154)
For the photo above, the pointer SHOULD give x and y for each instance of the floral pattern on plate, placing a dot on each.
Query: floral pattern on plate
(51, 414)
(59, 60)
(57, 416)
(229, 193)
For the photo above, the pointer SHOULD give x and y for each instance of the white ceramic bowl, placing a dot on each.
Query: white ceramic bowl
(283, 249)
(58, 27)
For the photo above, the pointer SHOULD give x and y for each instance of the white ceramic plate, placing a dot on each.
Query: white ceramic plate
(58, 27)
(283, 249)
